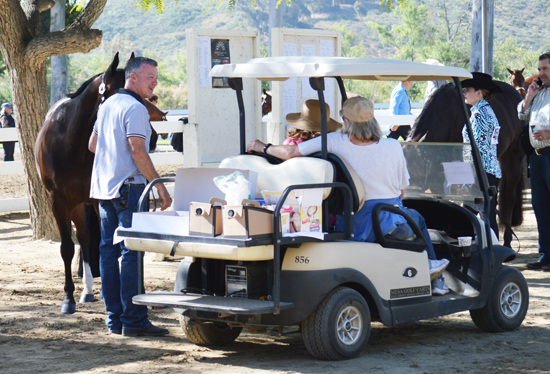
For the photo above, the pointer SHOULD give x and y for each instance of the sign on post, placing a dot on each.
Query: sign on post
(213, 130)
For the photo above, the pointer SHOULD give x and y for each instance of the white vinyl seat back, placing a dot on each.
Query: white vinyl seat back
(298, 170)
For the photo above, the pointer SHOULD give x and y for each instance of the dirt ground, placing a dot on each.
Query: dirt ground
(36, 338)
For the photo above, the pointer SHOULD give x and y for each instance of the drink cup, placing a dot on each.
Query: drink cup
(464, 241)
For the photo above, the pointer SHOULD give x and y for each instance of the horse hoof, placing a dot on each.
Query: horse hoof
(68, 308)
(86, 298)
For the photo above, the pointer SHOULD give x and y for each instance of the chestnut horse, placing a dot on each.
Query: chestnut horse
(519, 82)
(65, 166)
(442, 120)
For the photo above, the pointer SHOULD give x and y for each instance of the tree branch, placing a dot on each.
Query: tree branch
(89, 15)
(62, 43)
(32, 9)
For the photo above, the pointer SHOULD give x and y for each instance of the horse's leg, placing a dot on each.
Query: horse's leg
(62, 217)
(78, 216)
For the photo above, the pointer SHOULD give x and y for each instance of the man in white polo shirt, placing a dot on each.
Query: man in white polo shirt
(122, 167)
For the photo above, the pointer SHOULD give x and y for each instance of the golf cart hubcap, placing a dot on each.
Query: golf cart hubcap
(510, 300)
(350, 325)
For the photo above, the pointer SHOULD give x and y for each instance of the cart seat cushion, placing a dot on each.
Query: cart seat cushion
(298, 170)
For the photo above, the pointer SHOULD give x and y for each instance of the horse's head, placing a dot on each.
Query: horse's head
(441, 120)
(266, 102)
(517, 80)
(112, 79)
(155, 114)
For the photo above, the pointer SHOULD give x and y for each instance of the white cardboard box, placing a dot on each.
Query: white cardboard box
(192, 184)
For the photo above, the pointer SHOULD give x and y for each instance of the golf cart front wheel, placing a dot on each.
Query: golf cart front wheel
(339, 328)
(209, 333)
(507, 304)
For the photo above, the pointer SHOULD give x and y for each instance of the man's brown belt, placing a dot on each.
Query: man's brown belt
(541, 151)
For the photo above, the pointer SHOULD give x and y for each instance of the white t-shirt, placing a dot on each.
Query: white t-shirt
(381, 166)
(120, 117)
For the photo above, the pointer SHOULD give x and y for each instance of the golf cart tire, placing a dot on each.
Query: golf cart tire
(339, 328)
(507, 304)
(209, 333)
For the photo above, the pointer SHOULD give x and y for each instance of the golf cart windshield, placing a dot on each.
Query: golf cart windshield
(443, 171)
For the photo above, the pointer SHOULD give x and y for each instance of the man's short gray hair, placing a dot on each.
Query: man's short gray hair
(363, 131)
(133, 65)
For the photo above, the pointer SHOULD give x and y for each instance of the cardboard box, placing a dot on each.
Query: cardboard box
(205, 219)
(192, 184)
(247, 221)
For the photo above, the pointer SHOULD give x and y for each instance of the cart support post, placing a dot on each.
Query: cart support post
(237, 85)
(318, 84)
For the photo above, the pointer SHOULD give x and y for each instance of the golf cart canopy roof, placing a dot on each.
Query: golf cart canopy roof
(283, 68)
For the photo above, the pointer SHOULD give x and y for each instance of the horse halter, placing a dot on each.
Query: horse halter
(102, 88)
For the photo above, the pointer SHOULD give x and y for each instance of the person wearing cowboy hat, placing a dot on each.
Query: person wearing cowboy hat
(485, 127)
(307, 124)
(380, 164)
(7, 121)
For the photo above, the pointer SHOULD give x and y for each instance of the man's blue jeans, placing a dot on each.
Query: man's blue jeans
(119, 282)
(540, 198)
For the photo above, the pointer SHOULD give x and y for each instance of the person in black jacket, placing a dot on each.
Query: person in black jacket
(6, 120)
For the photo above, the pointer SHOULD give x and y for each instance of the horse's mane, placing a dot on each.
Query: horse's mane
(83, 87)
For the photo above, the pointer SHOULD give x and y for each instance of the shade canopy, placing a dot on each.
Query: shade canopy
(283, 68)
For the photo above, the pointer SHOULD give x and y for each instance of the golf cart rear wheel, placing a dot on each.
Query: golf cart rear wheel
(209, 333)
(339, 328)
(507, 304)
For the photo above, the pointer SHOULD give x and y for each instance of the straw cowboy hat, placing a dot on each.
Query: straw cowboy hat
(310, 118)
(481, 81)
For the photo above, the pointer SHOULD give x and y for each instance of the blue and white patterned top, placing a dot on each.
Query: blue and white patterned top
(484, 123)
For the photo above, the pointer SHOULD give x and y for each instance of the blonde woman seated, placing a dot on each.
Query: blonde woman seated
(381, 165)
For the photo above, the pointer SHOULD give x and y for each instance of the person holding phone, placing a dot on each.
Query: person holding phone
(535, 108)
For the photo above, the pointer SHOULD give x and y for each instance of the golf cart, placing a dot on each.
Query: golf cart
(329, 285)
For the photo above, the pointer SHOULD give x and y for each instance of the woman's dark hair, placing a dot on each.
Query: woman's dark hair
(487, 95)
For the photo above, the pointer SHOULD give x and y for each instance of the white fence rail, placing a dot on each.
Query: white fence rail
(173, 125)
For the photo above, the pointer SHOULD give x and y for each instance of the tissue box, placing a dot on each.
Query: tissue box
(205, 219)
(247, 221)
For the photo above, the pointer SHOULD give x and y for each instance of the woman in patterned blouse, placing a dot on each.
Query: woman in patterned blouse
(477, 92)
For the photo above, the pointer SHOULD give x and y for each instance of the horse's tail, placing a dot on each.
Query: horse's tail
(517, 212)
(94, 235)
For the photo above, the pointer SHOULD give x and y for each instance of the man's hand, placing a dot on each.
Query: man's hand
(164, 196)
(532, 91)
(541, 135)
(255, 146)
(394, 127)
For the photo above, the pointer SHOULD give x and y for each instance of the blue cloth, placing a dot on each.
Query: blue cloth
(362, 222)
(120, 284)
(540, 194)
(399, 101)
(484, 123)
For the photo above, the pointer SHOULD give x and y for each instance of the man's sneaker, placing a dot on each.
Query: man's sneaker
(437, 267)
(147, 331)
(439, 287)
(401, 232)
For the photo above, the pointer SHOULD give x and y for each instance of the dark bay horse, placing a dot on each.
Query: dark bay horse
(442, 120)
(65, 166)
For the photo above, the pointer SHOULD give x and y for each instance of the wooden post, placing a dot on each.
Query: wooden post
(481, 56)
(60, 65)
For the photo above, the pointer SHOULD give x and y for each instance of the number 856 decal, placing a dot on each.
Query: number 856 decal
(301, 260)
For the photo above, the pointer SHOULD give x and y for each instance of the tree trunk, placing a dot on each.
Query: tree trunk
(481, 47)
(60, 65)
(31, 111)
(275, 18)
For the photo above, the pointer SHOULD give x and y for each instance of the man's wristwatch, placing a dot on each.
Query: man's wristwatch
(267, 146)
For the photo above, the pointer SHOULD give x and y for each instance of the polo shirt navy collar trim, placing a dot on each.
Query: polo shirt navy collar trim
(131, 93)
